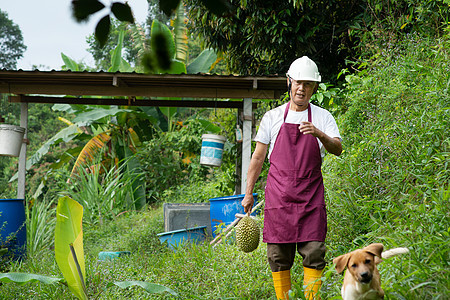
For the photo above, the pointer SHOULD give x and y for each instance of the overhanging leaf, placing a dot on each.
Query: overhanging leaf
(168, 6)
(83, 9)
(102, 30)
(122, 11)
(218, 7)
(149, 287)
(68, 230)
(162, 44)
(23, 278)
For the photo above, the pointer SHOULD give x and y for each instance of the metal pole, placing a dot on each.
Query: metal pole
(246, 141)
(23, 152)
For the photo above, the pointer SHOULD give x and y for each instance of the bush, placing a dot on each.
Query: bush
(391, 183)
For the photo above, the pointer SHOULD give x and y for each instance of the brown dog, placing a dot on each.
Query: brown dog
(362, 279)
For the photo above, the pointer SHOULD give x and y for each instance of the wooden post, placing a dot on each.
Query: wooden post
(23, 152)
(246, 141)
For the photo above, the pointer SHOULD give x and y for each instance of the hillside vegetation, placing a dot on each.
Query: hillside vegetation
(391, 185)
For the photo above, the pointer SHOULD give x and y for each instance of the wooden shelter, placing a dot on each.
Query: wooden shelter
(134, 89)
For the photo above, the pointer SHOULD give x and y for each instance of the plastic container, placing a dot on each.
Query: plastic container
(177, 237)
(186, 215)
(13, 232)
(224, 209)
(11, 138)
(212, 149)
(109, 255)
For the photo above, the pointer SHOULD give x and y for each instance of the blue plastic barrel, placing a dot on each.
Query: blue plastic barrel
(224, 209)
(13, 232)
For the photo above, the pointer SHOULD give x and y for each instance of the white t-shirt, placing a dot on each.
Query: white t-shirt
(273, 119)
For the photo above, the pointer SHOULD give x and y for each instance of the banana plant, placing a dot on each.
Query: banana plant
(69, 255)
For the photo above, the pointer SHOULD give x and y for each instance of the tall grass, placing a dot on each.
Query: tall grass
(104, 192)
(40, 222)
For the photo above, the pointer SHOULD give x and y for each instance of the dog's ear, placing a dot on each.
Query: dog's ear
(374, 249)
(341, 262)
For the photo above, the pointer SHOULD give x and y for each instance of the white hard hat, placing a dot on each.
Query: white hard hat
(304, 68)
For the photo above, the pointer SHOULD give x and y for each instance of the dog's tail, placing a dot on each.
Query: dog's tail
(394, 252)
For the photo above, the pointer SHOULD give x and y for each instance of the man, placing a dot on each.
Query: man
(298, 133)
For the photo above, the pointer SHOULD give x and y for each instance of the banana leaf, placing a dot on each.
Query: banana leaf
(90, 150)
(23, 278)
(116, 54)
(68, 231)
(70, 63)
(180, 32)
(90, 116)
(149, 287)
(202, 63)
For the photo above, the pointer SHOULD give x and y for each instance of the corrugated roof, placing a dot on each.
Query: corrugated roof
(135, 85)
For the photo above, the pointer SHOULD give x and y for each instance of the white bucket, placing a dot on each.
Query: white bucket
(11, 138)
(212, 149)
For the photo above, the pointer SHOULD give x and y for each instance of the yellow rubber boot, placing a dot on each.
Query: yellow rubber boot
(282, 283)
(312, 282)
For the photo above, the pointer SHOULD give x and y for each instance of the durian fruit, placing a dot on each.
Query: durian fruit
(247, 234)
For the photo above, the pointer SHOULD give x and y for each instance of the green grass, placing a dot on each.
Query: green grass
(223, 272)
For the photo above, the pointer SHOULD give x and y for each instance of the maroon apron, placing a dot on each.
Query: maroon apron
(295, 207)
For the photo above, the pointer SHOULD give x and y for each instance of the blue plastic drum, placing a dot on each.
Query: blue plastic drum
(13, 232)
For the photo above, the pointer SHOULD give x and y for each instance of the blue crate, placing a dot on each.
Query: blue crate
(177, 237)
(224, 209)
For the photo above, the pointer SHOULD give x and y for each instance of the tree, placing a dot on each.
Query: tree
(264, 36)
(11, 42)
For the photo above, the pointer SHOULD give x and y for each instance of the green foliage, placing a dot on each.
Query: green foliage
(264, 37)
(171, 158)
(391, 183)
(11, 43)
(132, 45)
(172, 161)
(327, 97)
(385, 23)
